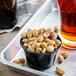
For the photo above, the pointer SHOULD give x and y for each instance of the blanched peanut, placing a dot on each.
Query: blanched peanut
(31, 49)
(60, 59)
(36, 45)
(43, 45)
(41, 31)
(25, 45)
(65, 54)
(50, 48)
(38, 50)
(25, 40)
(35, 33)
(56, 29)
(21, 60)
(49, 30)
(58, 42)
(53, 35)
(32, 39)
(59, 70)
(46, 35)
(23, 35)
(40, 38)
(44, 50)
(16, 61)
(51, 42)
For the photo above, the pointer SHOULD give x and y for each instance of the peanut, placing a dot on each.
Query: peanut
(21, 60)
(65, 54)
(60, 70)
(60, 59)
(56, 29)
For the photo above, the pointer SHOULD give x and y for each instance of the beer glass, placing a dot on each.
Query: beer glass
(67, 9)
(7, 13)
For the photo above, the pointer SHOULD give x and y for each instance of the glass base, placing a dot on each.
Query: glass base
(68, 44)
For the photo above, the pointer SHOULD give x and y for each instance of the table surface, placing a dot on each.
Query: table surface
(5, 38)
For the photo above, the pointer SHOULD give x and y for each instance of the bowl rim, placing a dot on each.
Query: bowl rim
(21, 43)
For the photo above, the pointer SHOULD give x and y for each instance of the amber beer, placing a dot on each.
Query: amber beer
(7, 13)
(68, 19)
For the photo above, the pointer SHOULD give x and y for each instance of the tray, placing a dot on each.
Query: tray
(46, 17)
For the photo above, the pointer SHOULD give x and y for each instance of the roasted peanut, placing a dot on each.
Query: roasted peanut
(65, 54)
(25, 40)
(36, 45)
(50, 48)
(41, 31)
(46, 35)
(21, 64)
(38, 50)
(51, 42)
(43, 45)
(60, 70)
(60, 59)
(21, 60)
(56, 29)
(29, 30)
(30, 48)
(32, 39)
(16, 61)
(49, 30)
(35, 33)
(23, 35)
(40, 38)
(29, 34)
(53, 35)
(44, 50)
(32, 42)
(25, 45)
(58, 42)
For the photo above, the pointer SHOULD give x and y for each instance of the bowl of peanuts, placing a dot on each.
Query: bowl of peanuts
(40, 47)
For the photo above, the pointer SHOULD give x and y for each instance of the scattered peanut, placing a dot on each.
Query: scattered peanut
(60, 70)
(21, 64)
(60, 59)
(56, 29)
(65, 54)
(16, 61)
(21, 60)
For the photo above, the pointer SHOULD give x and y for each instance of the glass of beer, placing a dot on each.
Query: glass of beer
(67, 10)
(8, 13)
